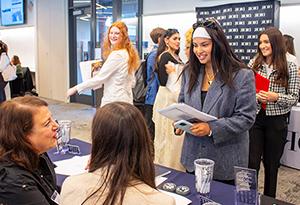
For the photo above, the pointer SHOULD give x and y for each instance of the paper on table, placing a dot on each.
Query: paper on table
(181, 111)
(159, 180)
(73, 166)
(180, 200)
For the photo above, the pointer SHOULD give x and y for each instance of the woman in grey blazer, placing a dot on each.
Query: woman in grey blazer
(218, 83)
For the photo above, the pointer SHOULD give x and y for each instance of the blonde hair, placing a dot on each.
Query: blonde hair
(188, 37)
(133, 62)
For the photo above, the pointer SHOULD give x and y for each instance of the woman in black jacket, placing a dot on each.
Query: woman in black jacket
(27, 131)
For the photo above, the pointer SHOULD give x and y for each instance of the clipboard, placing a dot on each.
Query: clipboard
(181, 111)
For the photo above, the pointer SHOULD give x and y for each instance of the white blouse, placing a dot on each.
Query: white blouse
(114, 76)
(4, 62)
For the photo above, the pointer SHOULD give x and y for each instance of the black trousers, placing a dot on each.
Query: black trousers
(148, 113)
(267, 140)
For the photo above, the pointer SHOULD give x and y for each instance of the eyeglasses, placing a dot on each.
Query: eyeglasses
(207, 23)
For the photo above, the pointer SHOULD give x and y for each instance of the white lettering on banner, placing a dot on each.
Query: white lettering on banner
(259, 29)
(239, 9)
(233, 16)
(267, 7)
(221, 18)
(260, 15)
(251, 8)
(268, 21)
(228, 23)
(245, 57)
(246, 16)
(291, 154)
(239, 23)
(227, 10)
(246, 43)
(239, 37)
(252, 22)
(246, 30)
(216, 12)
(234, 43)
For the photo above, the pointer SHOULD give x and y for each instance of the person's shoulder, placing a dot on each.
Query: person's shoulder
(144, 194)
(11, 174)
(166, 54)
(121, 53)
(75, 179)
(243, 73)
(152, 54)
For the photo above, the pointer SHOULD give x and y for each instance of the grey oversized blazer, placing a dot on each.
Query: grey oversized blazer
(235, 109)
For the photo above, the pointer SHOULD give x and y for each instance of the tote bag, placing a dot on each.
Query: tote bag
(9, 73)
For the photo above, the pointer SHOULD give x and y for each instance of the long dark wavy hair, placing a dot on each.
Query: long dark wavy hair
(162, 44)
(278, 58)
(223, 60)
(16, 123)
(121, 145)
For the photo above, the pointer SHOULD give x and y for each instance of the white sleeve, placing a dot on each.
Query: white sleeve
(4, 61)
(111, 65)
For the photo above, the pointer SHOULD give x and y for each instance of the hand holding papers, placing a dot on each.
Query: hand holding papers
(181, 111)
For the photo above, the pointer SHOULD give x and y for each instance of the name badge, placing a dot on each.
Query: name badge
(55, 197)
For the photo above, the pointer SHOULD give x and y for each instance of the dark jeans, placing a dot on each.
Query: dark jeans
(267, 140)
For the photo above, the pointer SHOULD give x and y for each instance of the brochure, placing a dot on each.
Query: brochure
(181, 111)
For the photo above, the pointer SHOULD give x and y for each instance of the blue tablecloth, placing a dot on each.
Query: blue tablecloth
(220, 192)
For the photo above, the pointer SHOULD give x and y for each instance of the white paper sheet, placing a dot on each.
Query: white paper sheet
(180, 200)
(73, 166)
(159, 180)
(181, 111)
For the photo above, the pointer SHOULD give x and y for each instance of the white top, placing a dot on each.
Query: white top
(77, 188)
(291, 58)
(4, 61)
(118, 83)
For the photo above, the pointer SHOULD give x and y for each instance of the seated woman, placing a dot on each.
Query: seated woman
(27, 131)
(121, 169)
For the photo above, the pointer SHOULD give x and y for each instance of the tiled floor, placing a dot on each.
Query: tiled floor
(81, 115)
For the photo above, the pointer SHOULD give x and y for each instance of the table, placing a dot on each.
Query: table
(221, 193)
(291, 154)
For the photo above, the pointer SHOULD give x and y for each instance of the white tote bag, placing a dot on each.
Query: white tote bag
(9, 73)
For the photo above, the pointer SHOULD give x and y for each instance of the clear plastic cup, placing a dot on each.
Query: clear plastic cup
(63, 136)
(204, 169)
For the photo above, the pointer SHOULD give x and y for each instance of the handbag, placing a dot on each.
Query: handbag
(9, 73)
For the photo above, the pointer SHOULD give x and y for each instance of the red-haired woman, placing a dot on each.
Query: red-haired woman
(117, 73)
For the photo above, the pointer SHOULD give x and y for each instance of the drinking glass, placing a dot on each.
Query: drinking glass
(63, 136)
(204, 169)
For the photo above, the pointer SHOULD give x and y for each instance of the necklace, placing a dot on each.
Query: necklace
(209, 78)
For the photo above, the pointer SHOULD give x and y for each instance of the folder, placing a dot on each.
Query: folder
(261, 83)
(181, 111)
